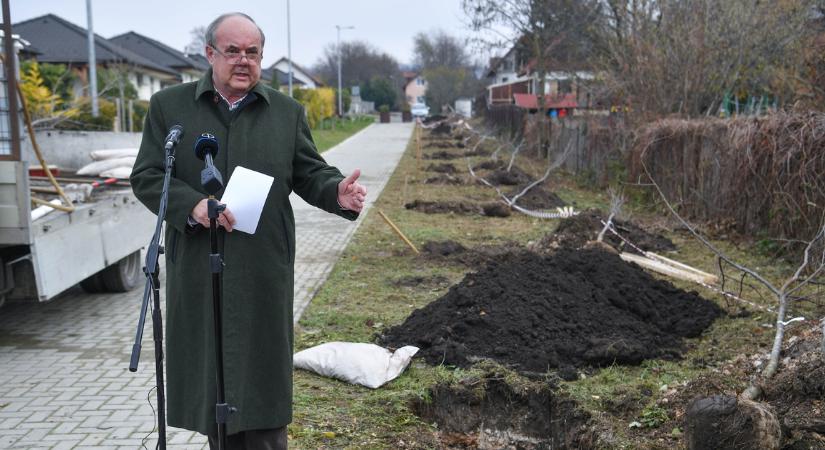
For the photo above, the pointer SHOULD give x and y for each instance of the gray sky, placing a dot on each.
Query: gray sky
(388, 25)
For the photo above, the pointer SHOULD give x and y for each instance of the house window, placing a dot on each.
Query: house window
(139, 79)
(504, 79)
(420, 99)
(420, 81)
(565, 86)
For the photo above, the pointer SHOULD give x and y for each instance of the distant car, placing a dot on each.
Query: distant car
(420, 110)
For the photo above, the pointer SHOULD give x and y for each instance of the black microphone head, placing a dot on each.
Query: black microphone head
(172, 139)
(206, 143)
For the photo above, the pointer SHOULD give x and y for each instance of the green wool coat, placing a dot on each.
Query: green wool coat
(269, 135)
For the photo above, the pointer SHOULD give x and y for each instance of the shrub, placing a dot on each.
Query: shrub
(318, 103)
(105, 121)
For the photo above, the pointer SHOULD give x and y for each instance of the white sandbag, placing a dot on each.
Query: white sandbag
(100, 155)
(97, 167)
(365, 364)
(121, 173)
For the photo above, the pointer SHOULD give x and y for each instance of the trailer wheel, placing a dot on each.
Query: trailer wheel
(123, 275)
(93, 284)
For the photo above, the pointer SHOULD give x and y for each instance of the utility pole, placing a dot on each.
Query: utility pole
(288, 48)
(92, 60)
(338, 48)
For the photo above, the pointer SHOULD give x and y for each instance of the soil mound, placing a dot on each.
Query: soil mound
(443, 207)
(441, 168)
(444, 178)
(442, 155)
(572, 308)
(537, 198)
(575, 232)
(473, 258)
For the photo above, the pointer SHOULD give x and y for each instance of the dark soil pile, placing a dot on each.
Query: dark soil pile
(441, 168)
(537, 198)
(442, 128)
(442, 155)
(499, 175)
(473, 258)
(433, 118)
(797, 393)
(576, 231)
(443, 207)
(443, 143)
(572, 308)
(444, 178)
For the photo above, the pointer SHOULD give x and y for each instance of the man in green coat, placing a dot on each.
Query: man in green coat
(266, 131)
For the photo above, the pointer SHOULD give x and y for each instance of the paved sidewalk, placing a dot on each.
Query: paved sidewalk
(64, 382)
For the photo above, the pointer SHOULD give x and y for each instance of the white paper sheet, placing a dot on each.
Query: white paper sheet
(245, 196)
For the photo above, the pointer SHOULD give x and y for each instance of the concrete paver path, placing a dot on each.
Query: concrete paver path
(64, 382)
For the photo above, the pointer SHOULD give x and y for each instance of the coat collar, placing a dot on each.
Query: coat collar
(205, 86)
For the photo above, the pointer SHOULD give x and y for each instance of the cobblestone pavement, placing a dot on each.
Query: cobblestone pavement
(64, 382)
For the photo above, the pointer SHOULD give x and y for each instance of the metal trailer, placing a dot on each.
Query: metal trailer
(97, 245)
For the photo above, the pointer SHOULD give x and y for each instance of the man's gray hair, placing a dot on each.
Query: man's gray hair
(213, 27)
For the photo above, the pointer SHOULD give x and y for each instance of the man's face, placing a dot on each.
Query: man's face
(235, 34)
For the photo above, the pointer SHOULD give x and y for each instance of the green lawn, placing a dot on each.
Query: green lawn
(327, 136)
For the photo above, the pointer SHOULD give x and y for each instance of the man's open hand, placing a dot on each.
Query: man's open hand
(351, 194)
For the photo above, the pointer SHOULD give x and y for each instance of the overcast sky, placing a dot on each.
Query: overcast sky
(389, 25)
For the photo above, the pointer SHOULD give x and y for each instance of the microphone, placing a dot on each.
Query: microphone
(173, 137)
(206, 147)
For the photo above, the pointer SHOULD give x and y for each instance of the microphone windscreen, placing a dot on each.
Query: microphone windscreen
(206, 143)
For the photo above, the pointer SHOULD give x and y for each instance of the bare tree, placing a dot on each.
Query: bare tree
(360, 63)
(445, 64)
(197, 46)
(686, 56)
(554, 35)
(439, 49)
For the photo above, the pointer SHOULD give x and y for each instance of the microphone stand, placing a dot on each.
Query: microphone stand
(152, 288)
(212, 181)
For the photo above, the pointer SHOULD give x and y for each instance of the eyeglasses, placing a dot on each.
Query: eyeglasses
(233, 55)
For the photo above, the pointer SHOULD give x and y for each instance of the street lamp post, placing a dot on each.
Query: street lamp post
(288, 48)
(92, 72)
(338, 47)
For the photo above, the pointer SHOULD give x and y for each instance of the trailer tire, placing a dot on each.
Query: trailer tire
(93, 284)
(123, 275)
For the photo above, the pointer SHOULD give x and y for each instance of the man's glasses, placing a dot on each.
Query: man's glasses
(234, 55)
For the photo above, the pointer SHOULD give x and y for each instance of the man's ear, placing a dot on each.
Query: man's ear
(210, 54)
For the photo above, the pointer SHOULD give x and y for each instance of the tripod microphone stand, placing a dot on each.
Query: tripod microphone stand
(206, 148)
(152, 288)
